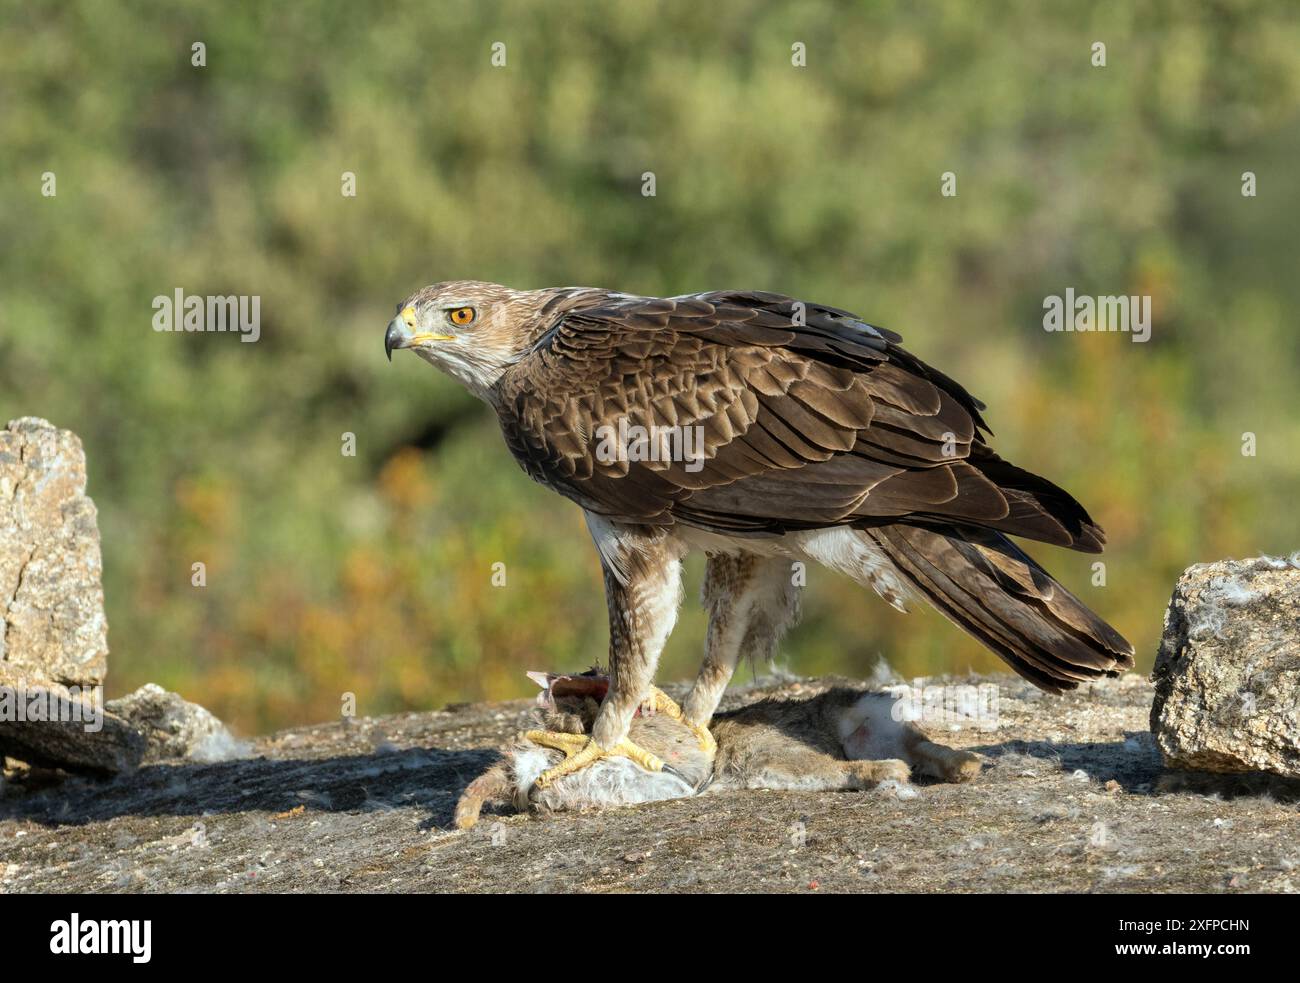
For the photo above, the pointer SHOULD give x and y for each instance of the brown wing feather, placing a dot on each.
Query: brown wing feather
(810, 417)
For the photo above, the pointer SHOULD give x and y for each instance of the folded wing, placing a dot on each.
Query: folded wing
(806, 416)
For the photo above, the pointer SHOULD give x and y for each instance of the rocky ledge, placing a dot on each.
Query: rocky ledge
(1072, 799)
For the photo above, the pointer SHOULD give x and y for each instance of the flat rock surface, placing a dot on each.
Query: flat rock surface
(1072, 800)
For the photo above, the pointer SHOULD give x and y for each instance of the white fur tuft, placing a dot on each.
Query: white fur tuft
(608, 782)
(868, 730)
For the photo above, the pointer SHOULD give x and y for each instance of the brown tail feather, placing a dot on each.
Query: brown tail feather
(1038, 509)
(984, 583)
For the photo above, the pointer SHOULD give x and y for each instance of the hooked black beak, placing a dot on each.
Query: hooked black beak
(396, 336)
(402, 333)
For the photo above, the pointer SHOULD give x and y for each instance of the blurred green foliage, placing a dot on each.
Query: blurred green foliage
(372, 574)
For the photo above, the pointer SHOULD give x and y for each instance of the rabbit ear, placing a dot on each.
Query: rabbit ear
(545, 698)
(542, 679)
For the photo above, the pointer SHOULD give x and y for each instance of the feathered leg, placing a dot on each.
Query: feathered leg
(643, 591)
(751, 601)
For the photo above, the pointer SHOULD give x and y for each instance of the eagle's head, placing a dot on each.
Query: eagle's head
(470, 329)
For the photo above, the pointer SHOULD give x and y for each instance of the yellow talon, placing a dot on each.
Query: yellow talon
(660, 702)
(581, 750)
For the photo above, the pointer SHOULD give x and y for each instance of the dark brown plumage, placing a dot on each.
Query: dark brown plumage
(827, 423)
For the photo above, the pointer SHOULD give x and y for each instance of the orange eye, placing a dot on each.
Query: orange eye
(462, 315)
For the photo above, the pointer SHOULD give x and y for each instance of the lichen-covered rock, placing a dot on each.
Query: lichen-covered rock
(1227, 675)
(52, 625)
(73, 731)
(53, 634)
(174, 728)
